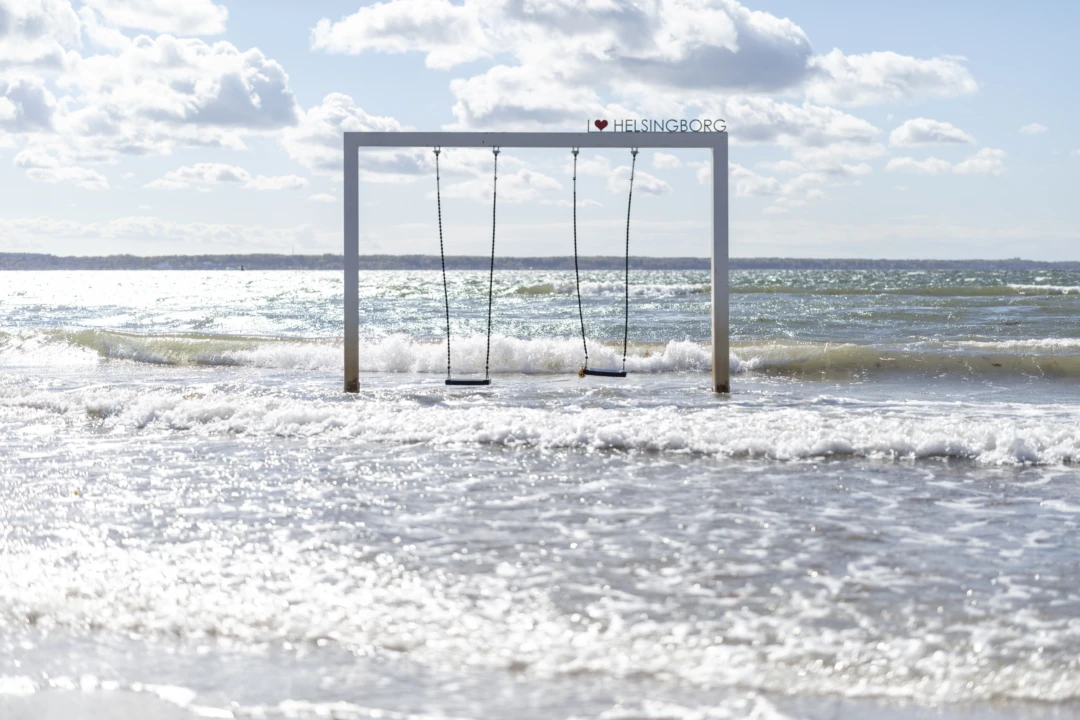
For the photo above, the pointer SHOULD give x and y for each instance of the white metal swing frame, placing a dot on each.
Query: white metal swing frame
(715, 141)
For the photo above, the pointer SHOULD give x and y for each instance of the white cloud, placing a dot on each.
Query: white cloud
(35, 158)
(82, 177)
(315, 142)
(838, 151)
(449, 34)
(929, 166)
(524, 185)
(885, 77)
(905, 238)
(704, 171)
(25, 104)
(102, 36)
(158, 94)
(185, 81)
(201, 175)
(680, 42)
(764, 120)
(805, 187)
(150, 97)
(924, 131)
(677, 58)
(276, 182)
(560, 62)
(178, 17)
(592, 165)
(581, 203)
(43, 167)
(37, 33)
(748, 183)
(525, 98)
(563, 62)
(782, 167)
(987, 161)
(845, 170)
(471, 162)
(136, 96)
(619, 182)
(149, 229)
(665, 161)
(1034, 129)
(818, 163)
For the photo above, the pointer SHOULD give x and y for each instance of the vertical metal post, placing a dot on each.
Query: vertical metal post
(352, 265)
(721, 364)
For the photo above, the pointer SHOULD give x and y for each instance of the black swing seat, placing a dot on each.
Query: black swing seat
(480, 381)
(601, 373)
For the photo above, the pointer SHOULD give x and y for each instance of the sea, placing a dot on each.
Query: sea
(879, 522)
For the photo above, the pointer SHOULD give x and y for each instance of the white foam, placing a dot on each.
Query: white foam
(530, 356)
(19, 685)
(393, 353)
(402, 354)
(1028, 345)
(1056, 357)
(1046, 289)
(41, 349)
(989, 434)
(594, 288)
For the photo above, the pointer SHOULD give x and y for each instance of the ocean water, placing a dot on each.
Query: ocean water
(880, 521)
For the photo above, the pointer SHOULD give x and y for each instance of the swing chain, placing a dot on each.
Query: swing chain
(626, 282)
(491, 272)
(577, 272)
(442, 258)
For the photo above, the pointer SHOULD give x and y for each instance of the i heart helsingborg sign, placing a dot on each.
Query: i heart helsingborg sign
(671, 125)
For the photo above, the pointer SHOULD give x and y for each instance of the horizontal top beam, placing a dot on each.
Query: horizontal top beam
(537, 139)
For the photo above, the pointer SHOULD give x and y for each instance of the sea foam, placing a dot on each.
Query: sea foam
(1039, 357)
(995, 434)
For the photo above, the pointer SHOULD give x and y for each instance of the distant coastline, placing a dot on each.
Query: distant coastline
(33, 261)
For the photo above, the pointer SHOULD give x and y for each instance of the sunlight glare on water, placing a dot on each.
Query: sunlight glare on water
(879, 522)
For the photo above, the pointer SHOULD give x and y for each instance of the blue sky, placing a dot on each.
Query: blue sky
(917, 129)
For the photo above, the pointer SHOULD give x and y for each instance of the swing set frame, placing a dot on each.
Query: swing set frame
(715, 141)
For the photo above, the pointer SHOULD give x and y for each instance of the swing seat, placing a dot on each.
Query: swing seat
(601, 373)
(480, 381)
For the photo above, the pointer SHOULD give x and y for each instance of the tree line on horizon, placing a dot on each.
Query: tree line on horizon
(36, 261)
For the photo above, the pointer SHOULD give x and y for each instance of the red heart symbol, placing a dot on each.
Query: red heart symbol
(600, 124)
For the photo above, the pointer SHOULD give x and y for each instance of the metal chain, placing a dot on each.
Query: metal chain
(577, 272)
(491, 274)
(442, 257)
(626, 311)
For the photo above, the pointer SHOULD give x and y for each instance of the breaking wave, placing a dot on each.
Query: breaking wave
(593, 288)
(1001, 435)
(1049, 357)
(1011, 290)
(666, 290)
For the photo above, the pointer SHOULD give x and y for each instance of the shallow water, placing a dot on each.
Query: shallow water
(879, 522)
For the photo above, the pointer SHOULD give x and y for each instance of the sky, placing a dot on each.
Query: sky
(857, 129)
